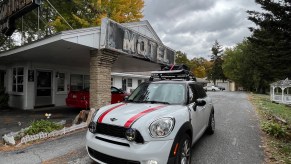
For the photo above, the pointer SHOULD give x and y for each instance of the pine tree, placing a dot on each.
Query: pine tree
(271, 41)
(216, 72)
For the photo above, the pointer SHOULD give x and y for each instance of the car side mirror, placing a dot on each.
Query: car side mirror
(200, 102)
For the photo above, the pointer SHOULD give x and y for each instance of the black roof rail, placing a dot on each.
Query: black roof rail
(180, 72)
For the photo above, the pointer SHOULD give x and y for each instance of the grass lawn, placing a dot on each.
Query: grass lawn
(275, 120)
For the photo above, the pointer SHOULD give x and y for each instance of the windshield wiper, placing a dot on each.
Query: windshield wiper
(156, 102)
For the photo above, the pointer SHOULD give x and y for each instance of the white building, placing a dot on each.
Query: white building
(42, 73)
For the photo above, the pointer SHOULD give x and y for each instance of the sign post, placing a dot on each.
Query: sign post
(11, 10)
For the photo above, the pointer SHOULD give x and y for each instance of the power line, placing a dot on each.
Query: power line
(59, 14)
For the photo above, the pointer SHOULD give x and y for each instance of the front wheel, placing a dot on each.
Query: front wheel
(211, 124)
(184, 151)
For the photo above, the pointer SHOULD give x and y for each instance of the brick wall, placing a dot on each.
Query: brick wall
(100, 78)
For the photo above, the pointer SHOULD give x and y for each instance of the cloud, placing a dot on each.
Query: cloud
(192, 26)
(165, 10)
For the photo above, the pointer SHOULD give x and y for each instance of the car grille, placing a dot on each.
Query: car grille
(109, 159)
(116, 131)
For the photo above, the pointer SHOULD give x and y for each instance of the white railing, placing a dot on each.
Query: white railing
(286, 99)
(42, 135)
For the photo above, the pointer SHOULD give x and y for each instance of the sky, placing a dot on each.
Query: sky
(192, 26)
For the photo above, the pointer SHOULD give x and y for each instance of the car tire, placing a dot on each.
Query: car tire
(211, 124)
(184, 150)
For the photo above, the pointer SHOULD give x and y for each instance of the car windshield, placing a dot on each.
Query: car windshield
(165, 93)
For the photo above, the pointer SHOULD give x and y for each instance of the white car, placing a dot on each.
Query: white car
(157, 124)
(211, 88)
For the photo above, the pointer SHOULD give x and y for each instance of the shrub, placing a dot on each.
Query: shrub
(274, 129)
(4, 98)
(45, 126)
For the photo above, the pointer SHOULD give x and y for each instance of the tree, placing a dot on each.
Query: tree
(181, 58)
(238, 65)
(271, 41)
(6, 42)
(216, 57)
(89, 13)
(201, 67)
(198, 66)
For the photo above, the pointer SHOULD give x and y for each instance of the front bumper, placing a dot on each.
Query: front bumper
(132, 154)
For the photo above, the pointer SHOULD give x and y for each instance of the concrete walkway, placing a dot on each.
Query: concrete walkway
(39, 153)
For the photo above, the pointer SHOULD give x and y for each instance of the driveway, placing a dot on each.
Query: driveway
(237, 135)
(236, 139)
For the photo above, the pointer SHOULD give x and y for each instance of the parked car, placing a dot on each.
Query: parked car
(158, 124)
(211, 88)
(80, 99)
(220, 87)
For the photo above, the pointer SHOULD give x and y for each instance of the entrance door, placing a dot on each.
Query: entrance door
(124, 85)
(43, 88)
(2, 73)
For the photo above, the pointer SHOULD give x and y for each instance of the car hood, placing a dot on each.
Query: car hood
(127, 114)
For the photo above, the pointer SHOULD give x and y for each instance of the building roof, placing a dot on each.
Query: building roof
(285, 82)
(143, 27)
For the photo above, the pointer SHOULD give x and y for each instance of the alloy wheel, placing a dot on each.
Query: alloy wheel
(213, 122)
(185, 156)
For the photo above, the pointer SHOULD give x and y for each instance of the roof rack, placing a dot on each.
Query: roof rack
(180, 72)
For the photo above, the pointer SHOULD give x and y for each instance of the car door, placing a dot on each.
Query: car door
(196, 113)
(207, 108)
(116, 95)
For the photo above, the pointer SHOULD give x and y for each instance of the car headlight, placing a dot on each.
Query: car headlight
(162, 127)
(94, 114)
(93, 125)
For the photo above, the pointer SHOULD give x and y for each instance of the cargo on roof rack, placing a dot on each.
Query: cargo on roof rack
(179, 72)
(174, 67)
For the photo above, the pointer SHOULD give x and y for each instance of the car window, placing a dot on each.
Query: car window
(200, 91)
(114, 90)
(192, 86)
(172, 93)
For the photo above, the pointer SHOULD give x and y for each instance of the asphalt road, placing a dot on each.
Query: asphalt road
(236, 139)
(237, 136)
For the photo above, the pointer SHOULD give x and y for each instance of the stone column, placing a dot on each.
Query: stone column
(100, 78)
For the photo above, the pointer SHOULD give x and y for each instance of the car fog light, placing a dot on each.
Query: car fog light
(152, 162)
(130, 134)
(92, 127)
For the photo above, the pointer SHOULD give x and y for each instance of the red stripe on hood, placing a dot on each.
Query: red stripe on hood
(100, 119)
(139, 115)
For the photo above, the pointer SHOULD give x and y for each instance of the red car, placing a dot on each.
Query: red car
(80, 99)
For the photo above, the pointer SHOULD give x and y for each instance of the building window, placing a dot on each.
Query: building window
(139, 82)
(79, 82)
(129, 82)
(60, 82)
(18, 74)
